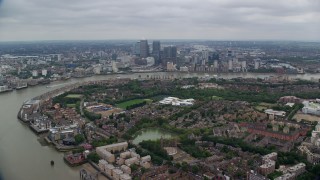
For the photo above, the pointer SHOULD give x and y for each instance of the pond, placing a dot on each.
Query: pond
(151, 134)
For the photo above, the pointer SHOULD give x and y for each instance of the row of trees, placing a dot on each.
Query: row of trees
(155, 148)
(136, 105)
(63, 100)
(189, 146)
(91, 116)
(104, 141)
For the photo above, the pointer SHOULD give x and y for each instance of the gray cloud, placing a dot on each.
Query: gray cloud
(169, 19)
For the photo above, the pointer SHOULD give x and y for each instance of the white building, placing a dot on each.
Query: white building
(59, 57)
(244, 65)
(177, 102)
(256, 63)
(311, 108)
(184, 69)
(275, 113)
(34, 73)
(150, 61)
(44, 72)
(114, 66)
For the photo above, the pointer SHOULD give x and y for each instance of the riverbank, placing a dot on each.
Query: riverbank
(176, 74)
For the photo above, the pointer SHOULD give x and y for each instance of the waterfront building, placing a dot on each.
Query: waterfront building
(85, 175)
(4, 88)
(215, 64)
(171, 66)
(114, 66)
(257, 63)
(184, 69)
(150, 61)
(44, 72)
(28, 109)
(230, 65)
(34, 73)
(63, 132)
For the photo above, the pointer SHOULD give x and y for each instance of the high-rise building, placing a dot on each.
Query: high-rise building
(156, 48)
(170, 52)
(144, 48)
(136, 48)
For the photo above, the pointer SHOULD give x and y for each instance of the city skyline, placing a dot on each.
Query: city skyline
(22, 20)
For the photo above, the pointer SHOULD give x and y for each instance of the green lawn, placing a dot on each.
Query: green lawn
(216, 98)
(74, 96)
(71, 105)
(263, 106)
(125, 104)
(148, 101)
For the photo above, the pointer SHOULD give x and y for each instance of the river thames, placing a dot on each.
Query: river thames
(22, 157)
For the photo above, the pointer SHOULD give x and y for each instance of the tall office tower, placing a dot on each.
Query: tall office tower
(136, 48)
(156, 48)
(169, 55)
(144, 48)
(170, 52)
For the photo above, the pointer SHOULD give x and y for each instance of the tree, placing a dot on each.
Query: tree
(133, 167)
(94, 157)
(195, 169)
(79, 138)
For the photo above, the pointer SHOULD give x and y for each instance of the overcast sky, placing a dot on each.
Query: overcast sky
(160, 19)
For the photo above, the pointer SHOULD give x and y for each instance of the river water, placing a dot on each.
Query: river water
(21, 155)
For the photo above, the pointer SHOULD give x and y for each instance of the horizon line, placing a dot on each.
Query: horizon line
(162, 39)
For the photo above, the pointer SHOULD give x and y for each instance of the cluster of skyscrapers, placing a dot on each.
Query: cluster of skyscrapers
(161, 56)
